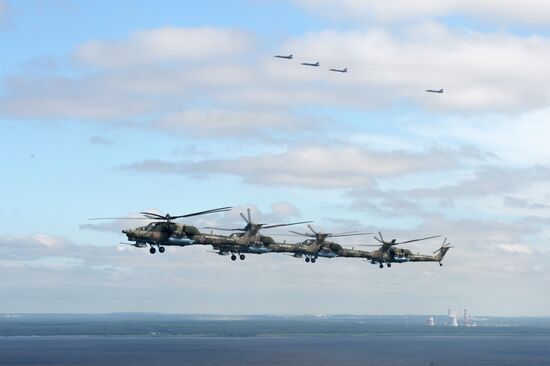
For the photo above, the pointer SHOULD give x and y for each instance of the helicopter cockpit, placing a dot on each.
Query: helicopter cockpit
(149, 227)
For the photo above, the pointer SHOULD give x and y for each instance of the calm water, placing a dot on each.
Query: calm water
(153, 339)
(267, 351)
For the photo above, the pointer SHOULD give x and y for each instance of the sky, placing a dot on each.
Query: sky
(112, 108)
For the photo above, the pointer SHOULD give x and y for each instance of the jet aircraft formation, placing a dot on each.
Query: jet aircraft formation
(333, 69)
(311, 64)
(163, 232)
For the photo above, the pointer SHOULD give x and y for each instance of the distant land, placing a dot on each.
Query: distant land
(158, 325)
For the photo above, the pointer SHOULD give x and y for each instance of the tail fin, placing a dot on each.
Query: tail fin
(440, 253)
(346, 69)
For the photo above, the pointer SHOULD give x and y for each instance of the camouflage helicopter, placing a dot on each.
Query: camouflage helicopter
(389, 253)
(317, 246)
(163, 232)
(245, 240)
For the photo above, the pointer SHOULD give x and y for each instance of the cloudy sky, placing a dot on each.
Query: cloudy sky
(111, 109)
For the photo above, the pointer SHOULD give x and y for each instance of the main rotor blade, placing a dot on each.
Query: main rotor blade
(248, 213)
(310, 228)
(348, 234)
(150, 217)
(116, 218)
(155, 215)
(221, 228)
(214, 210)
(378, 240)
(381, 238)
(411, 241)
(244, 218)
(301, 234)
(280, 225)
(293, 235)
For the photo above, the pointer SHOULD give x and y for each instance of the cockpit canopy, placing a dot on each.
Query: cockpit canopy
(156, 226)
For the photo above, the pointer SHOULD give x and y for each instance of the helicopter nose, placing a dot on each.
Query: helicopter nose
(126, 232)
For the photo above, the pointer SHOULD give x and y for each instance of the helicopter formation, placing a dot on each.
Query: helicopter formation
(164, 232)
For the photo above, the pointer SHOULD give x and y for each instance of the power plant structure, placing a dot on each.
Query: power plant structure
(452, 320)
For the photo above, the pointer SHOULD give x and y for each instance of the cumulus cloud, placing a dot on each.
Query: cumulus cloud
(479, 71)
(518, 139)
(516, 248)
(519, 192)
(151, 77)
(90, 278)
(165, 44)
(526, 12)
(316, 167)
(236, 122)
(487, 181)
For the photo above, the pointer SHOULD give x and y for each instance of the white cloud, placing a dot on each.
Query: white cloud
(48, 240)
(479, 72)
(518, 138)
(245, 123)
(527, 12)
(489, 73)
(516, 248)
(317, 167)
(165, 44)
(87, 278)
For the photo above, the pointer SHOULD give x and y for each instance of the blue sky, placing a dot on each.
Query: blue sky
(108, 110)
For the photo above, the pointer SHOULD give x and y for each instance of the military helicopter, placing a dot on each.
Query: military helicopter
(316, 246)
(389, 253)
(163, 232)
(246, 240)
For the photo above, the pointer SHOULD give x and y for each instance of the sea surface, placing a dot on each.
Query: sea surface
(151, 339)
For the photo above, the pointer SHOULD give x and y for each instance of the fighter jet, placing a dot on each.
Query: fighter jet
(310, 64)
(289, 57)
(440, 91)
(339, 70)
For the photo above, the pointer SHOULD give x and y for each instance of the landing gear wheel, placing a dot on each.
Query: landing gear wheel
(242, 257)
(307, 259)
(381, 265)
(152, 250)
(389, 265)
(440, 264)
(161, 249)
(313, 260)
(233, 257)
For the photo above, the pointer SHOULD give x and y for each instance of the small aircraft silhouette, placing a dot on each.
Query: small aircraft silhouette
(310, 64)
(289, 57)
(339, 70)
(440, 91)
